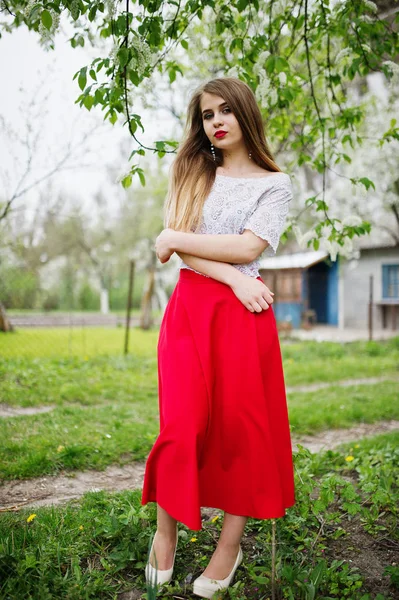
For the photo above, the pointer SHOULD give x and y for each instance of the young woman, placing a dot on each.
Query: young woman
(224, 438)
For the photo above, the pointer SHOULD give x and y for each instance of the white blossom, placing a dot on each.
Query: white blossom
(348, 244)
(111, 8)
(282, 78)
(273, 96)
(234, 71)
(338, 225)
(370, 5)
(394, 72)
(366, 19)
(262, 92)
(366, 47)
(247, 44)
(259, 65)
(344, 53)
(326, 231)
(351, 221)
(306, 237)
(141, 55)
(332, 248)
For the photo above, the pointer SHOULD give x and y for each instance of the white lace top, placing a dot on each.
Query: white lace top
(257, 203)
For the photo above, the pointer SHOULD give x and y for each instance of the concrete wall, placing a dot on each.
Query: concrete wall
(354, 286)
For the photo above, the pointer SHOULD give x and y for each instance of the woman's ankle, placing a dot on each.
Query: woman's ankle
(167, 536)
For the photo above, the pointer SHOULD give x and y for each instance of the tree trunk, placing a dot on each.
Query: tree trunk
(146, 319)
(5, 324)
(104, 300)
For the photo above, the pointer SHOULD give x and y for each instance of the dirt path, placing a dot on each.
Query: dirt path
(313, 387)
(48, 490)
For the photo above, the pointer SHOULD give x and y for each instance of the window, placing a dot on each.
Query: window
(390, 281)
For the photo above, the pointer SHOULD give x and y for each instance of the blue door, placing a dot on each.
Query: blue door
(323, 291)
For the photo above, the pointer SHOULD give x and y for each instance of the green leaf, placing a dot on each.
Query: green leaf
(47, 19)
(141, 176)
(127, 181)
(281, 64)
(241, 5)
(92, 13)
(270, 62)
(123, 56)
(82, 80)
(88, 102)
(172, 75)
(367, 182)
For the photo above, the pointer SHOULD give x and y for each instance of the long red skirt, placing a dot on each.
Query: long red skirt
(224, 438)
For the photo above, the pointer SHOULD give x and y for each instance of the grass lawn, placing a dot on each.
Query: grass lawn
(338, 541)
(106, 405)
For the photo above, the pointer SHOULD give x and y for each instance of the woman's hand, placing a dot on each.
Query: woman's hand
(253, 293)
(164, 244)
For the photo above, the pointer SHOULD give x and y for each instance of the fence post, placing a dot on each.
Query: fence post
(370, 319)
(129, 305)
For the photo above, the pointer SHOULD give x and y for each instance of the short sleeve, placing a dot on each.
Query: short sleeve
(268, 219)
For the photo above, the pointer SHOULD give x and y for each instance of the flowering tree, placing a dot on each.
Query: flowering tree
(302, 58)
(350, 203)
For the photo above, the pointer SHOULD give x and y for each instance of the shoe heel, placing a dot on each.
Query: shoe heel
(206, 587)
(155, 576)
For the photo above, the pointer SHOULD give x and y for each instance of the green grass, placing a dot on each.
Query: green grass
(336, 407)
(310, 362)
(106, 407)
(106, 412)
(97, 436)
(42, 381)
(97, 546)
(82, 342)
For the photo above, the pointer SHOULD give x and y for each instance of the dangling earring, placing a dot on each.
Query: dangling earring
(213, 152)
(249, 155)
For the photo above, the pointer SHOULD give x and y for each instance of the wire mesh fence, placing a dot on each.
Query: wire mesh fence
(73, 318)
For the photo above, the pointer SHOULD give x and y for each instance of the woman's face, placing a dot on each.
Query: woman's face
(216, 116)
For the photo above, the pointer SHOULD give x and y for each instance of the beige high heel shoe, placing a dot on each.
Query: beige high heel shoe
(205, 586)
(160, 576)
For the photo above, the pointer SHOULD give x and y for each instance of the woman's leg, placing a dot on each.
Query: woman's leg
(225, 555)
(164, 541)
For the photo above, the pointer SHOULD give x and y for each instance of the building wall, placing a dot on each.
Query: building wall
(354, 286)
(287, 287)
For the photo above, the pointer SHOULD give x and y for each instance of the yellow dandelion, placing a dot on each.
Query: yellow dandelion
(215, 518)
(60, 448)
(81, 527)
(193, 539)
(31, 517)
(357, 445)
(349, 458)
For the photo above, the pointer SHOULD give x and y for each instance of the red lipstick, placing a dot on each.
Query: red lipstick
(220, 133)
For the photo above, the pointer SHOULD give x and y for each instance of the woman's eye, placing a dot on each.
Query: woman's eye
(209, 114)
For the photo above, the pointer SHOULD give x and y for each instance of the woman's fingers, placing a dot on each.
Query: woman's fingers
(259, 306)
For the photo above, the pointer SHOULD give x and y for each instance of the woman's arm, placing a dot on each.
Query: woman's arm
(220, 271)
(229, 248)
(251, 292)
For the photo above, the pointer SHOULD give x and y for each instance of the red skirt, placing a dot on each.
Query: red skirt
(224, 438)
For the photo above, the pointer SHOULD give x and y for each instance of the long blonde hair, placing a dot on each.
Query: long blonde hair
(193, 170)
